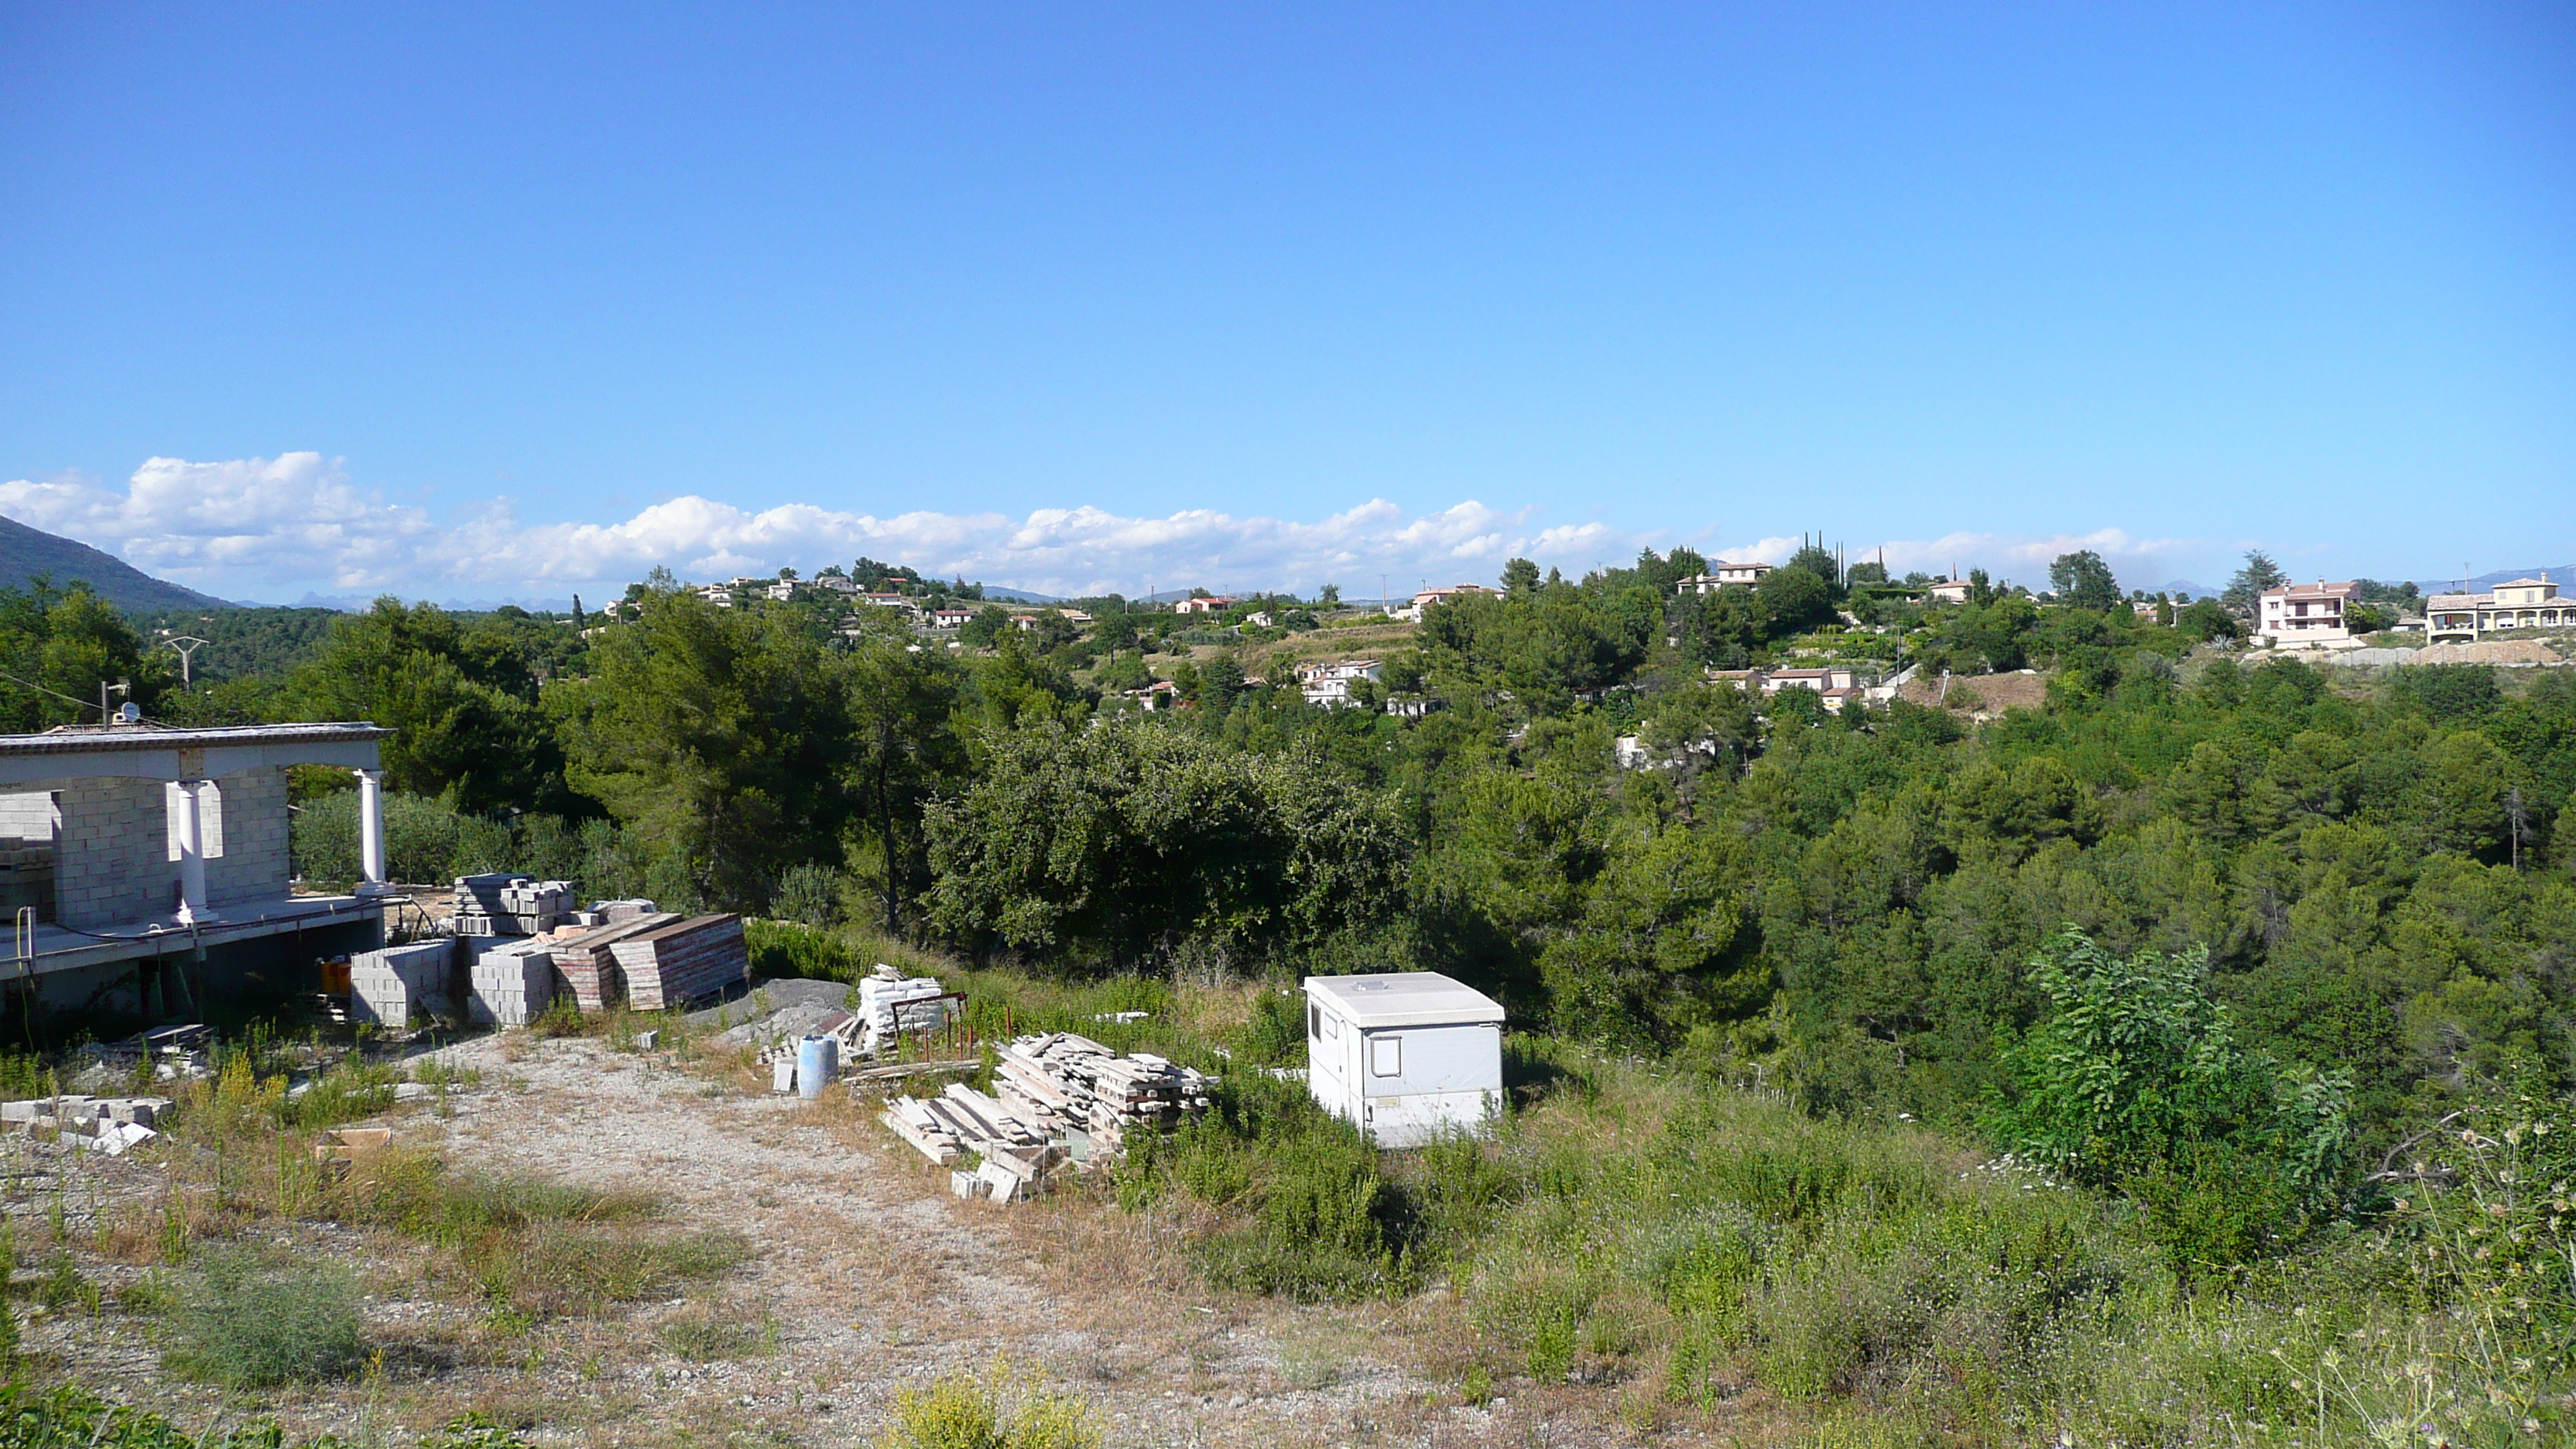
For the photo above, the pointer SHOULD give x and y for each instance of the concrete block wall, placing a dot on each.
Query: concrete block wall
(256, 863)
(111, 861)
(28, 817)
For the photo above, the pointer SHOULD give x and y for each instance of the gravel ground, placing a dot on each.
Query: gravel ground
(865, 1277)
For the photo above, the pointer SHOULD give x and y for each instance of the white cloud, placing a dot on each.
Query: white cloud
(292, 517)
(276, 528)
(2024, 558)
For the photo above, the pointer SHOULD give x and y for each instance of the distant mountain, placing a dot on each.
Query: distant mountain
(2185, 589)
(2564, 576)
(27, 552)
(1019, 596)
(360, 603)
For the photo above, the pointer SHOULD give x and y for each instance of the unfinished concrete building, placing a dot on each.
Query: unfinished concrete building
(147, 871)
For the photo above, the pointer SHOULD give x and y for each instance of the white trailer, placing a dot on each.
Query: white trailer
(1406, 1058)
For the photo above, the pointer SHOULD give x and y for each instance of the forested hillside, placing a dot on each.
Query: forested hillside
(2221, 935)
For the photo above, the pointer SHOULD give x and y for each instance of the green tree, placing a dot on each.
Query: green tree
(722, 737)
(906, 751)
(2258, 574)
(2134, 1077)
(462, 705)
(1121, 845)
(1520, 578)
(1793, 600)
(2083, 581)
(988, 625)
(58, 647)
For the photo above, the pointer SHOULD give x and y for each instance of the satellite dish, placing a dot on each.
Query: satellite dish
(129, 713)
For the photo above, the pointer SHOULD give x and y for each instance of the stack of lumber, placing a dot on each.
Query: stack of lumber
(961, 1120)
(1066, 1083)
(510, 984)
(587, 963)
(387, 986)
(890, 1004)
(678, 962)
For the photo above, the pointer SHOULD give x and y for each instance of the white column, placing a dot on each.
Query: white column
(371, 830)
(192, 856)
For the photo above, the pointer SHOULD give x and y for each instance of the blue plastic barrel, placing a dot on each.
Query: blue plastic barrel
(818, 1065)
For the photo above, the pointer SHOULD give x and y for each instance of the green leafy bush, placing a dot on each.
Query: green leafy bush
(788, 951)
(2135, 1078)
(994, 1411)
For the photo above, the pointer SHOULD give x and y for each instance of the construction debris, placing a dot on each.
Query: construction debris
(891, 1004)
(1066, 1084)
(960, 1120)
(102, 1124)
(1060, 1097)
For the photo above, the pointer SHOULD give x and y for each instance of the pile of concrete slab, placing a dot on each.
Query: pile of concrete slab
(500, 904)
(891, 1003)
(1069, 1084)
(1059, 1097)
(104, 1124)
(959, 1120)
(388, 987)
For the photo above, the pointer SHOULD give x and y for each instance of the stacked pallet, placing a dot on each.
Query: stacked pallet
(387, 986)
(587, 963)
(510, 984)
(1067, 1083)
(679, 962)
(960, 1120)
(890, 1004)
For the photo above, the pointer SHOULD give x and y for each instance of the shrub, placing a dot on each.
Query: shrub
(248, 1322)
(67, 1416)
(809, 894)
(784, 950)
(994, 1411)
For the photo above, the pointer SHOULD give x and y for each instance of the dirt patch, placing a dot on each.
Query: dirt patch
(1979, 696)
(864, 1277)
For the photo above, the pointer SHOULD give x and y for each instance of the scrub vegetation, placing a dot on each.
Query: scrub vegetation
(2181, 1059)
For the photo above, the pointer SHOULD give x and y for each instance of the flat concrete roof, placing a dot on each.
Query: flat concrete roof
(1405, 998)
(150, 752)
(82, 739)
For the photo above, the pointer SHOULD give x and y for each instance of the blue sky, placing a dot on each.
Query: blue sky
(516, 300)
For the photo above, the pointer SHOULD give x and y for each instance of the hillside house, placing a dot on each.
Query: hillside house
(1328, 685)
(1724, 575)
(2303, 616)
(1212, 604)
(1948, 591)
(2520, 604)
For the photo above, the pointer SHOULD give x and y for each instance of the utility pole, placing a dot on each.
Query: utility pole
(187, 645)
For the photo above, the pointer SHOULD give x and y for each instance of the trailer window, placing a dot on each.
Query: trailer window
(1386, 1056)
(1314, 1022)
